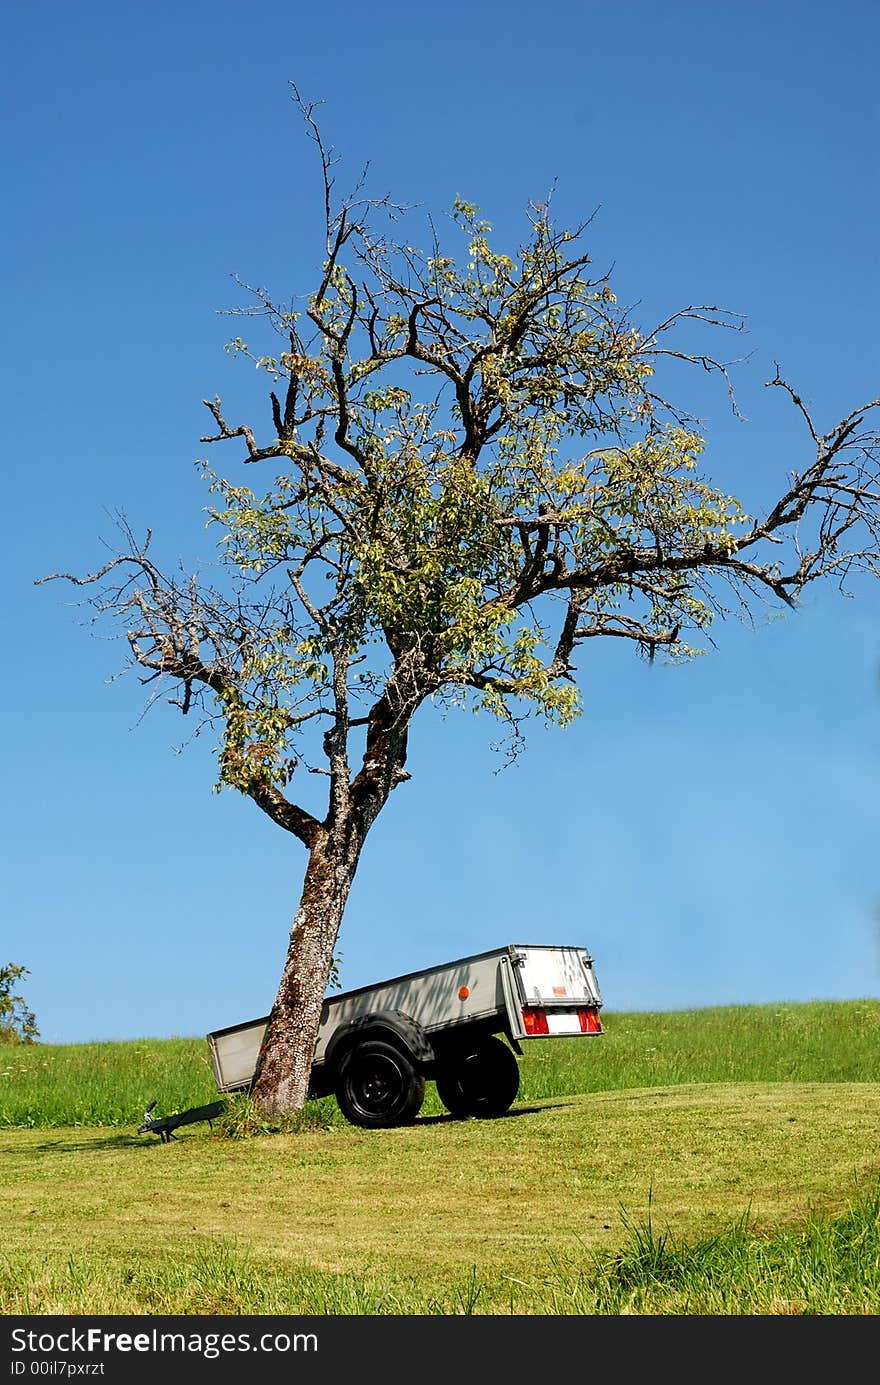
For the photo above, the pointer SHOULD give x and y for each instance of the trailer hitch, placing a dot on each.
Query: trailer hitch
(166, 1125)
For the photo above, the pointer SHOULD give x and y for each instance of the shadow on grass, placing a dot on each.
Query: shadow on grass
(74, 1146)
(446, 1119)
(123, 1140)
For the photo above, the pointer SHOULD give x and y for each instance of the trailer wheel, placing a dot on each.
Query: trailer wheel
(479, 1081)
(379, 1086)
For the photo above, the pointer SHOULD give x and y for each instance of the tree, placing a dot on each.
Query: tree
(18, 1024)
(475, 473)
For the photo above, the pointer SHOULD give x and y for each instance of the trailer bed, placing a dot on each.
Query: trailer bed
(523, 991)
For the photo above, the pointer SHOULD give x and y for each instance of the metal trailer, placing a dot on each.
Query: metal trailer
(378, 1044)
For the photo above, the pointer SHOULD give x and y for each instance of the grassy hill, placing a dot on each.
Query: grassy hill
(716, 1161)
(109, 1084)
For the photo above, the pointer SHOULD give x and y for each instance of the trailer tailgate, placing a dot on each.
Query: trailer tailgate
(556, 976)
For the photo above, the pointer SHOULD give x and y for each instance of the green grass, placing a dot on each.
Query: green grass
(823, 1266)
(104, 1084)
(101, 1084)
(720, 1161)
(837, 1041)
(702, 1197)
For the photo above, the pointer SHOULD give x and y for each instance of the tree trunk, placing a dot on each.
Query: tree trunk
(282, 1082)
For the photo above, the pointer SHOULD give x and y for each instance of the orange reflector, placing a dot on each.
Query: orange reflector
(464, 992)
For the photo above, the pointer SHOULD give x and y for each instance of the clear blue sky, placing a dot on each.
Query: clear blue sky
(709, 831)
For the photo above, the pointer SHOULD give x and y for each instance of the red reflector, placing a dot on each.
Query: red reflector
(535, 1022)
(589, 1021)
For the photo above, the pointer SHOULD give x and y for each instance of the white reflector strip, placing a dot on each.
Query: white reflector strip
(564, 1023)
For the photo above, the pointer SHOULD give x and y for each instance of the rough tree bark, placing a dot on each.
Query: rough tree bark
(283, 1079)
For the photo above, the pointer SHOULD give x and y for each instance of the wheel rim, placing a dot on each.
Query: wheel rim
(374, 1085)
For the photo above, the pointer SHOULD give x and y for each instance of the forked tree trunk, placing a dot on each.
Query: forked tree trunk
(282, 1082)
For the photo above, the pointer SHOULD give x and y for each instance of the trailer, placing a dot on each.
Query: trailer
(378, 1045)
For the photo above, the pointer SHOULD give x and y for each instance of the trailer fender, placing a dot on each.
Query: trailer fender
(395, 1025)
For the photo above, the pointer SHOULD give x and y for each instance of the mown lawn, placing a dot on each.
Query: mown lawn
(719, 1161)
(565, 1205)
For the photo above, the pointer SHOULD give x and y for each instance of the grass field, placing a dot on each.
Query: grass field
(716, 1162)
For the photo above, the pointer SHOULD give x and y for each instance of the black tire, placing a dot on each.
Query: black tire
(481, 1081)
(379, 1086)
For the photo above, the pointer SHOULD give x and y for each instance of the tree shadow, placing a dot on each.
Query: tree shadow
(106, 1142)
(75, 1146)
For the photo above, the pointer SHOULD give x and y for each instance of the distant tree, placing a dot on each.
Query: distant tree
(18, 1024)
(473, 474)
